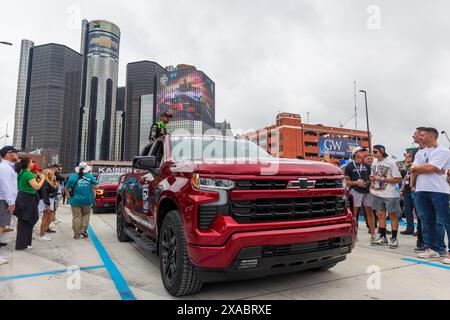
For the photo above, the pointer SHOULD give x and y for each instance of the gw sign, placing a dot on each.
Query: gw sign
(338, 148)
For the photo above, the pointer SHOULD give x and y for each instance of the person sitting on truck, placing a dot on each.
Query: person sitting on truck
(159, 128)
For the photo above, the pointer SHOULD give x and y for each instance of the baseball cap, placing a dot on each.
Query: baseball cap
(167, 115)
(358, 149)
(35, 168)
(9, 149)
(382, 149)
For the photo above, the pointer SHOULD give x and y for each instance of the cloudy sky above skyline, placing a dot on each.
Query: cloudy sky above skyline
(264, 56)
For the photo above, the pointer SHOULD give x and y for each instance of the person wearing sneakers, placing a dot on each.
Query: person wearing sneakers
(431, 168)
(384, 179)
(48, 194)
(357, 174)
(80, 187)
(27, 210)
(8, 191)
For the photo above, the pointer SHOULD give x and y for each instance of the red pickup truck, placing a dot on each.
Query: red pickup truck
(218, 209)
(106, 193)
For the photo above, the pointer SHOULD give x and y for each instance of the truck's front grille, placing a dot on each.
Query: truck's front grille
(110, 194)
(272, 251)
(261, 184)
(288, 209)
(283, 184)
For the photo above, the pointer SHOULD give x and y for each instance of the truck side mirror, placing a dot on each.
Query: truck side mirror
(144, 163)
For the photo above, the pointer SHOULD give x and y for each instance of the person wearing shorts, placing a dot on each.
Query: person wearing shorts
(357, 178)
(384, 180)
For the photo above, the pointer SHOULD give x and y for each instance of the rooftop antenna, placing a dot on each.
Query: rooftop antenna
(6, 136)
(356, 113)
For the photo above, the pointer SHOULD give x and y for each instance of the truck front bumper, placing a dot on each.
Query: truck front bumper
(255, 254)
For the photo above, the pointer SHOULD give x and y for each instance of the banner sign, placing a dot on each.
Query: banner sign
(110, 170)
(337, 148)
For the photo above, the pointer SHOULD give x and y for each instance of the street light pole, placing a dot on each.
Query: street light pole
(367, 118)
(445, 132)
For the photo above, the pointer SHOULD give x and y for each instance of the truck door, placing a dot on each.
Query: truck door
(150, 188)
(134, 194)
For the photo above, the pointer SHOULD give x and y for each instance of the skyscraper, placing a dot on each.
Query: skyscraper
(100, 48)
(120, 119)
(52, 112)
(139, 106)
(22, 93)
(189, 95)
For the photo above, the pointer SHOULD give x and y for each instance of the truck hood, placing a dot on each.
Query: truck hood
(264, 167)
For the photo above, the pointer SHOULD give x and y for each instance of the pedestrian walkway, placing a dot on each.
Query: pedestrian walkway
(124, 271)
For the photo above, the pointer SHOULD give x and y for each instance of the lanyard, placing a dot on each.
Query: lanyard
(360, 169)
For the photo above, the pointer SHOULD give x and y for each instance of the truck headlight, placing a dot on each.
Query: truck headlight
(99, 192)
(203, 183)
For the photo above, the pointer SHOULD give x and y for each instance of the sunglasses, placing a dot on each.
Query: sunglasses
(376, 152)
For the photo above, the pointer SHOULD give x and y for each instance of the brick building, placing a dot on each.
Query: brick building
(289, 137)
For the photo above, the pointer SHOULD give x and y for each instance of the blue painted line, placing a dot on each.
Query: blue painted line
(441, 266)
(49, 273)
(119, 281)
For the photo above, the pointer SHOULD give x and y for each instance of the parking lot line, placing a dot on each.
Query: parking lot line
(33, 275)
(427, 263)
(119, 281)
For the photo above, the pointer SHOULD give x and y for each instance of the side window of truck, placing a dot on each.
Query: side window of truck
(158, 153)
(146, 151)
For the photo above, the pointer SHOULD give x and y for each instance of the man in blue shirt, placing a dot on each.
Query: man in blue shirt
(80, 188)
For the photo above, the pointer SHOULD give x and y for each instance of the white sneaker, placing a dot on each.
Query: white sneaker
(3, 260)
(446, 260)
(429, 254)
(45, 239)
(29, 247)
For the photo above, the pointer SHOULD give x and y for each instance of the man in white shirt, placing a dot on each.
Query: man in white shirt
(431, 168)
(385, 178)
(8, 190)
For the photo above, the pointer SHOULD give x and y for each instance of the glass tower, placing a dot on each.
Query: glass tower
(22, 94)
(139, 111)
(100, 46)
(53, 104)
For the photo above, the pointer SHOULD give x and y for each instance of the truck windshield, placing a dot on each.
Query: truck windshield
(214, 148)
(109, 178)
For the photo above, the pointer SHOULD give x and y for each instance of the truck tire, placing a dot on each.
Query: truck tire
(325, 267)
(121, 224)
(177, 271)
(95, 210)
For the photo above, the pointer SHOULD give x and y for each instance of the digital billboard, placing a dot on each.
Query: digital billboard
(187, 95)
(337, 148)
(102, 43)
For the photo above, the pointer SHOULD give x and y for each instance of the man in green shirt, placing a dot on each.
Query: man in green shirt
(159, 128)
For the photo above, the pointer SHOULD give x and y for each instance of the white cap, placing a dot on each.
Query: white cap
(358, 149)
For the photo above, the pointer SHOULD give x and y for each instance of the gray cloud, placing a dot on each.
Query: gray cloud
(265, 56)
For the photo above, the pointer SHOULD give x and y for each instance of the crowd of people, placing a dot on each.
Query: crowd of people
(380, 189)
(379, 186)
(29, 194)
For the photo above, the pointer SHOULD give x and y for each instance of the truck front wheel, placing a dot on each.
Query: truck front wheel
(121, 224)
(177, 271)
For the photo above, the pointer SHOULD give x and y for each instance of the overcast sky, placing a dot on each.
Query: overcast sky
(264, 55)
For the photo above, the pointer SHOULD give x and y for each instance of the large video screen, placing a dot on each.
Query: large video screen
(187, 95)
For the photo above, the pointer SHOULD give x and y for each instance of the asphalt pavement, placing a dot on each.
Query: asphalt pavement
(103, 268)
